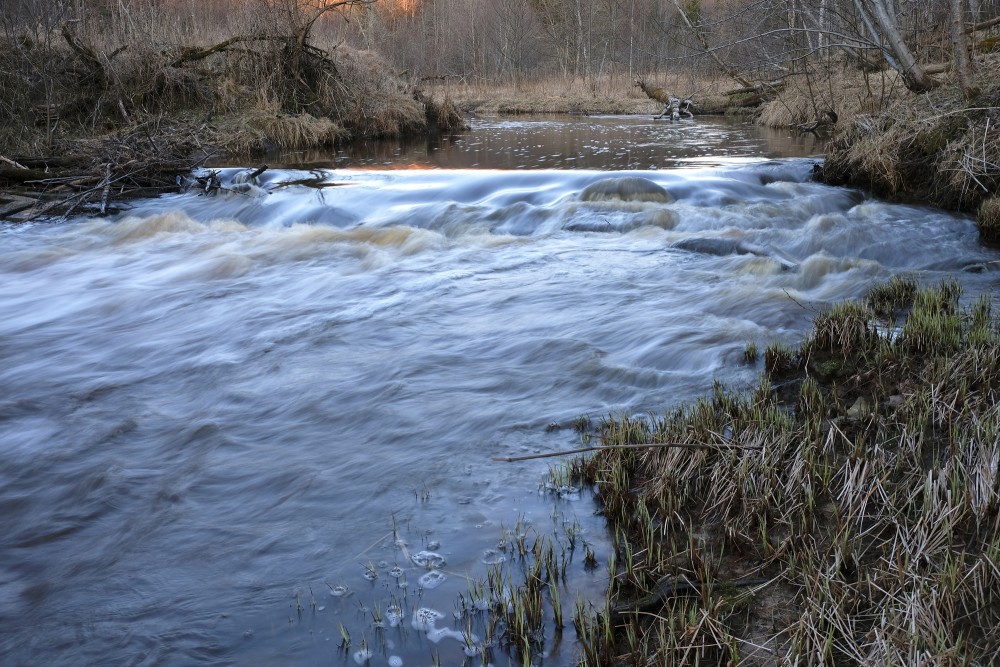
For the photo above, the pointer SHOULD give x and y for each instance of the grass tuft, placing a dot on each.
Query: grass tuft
(863, 532)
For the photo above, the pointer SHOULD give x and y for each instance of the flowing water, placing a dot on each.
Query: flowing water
(217, 411)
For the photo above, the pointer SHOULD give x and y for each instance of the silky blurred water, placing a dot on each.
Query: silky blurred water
(215, 409)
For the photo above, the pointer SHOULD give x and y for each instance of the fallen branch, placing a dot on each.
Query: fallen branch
(193, 54)
(107, 189)
(7, 160)
(696, 30)
(652, 445)
(982, 26)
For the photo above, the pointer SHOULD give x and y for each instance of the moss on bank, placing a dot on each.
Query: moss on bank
(846, 511)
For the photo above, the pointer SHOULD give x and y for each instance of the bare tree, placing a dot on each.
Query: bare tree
(881, 23)
(960, 46)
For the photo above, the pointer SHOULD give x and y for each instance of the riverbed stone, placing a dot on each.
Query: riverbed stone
(626, 188)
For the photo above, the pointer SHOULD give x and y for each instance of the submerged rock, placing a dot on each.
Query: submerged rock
(724, 246)
(628, 188)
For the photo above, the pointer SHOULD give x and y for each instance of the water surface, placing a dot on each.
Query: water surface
(571, 142)
(216, 409)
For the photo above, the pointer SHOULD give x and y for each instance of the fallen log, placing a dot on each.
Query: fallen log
(12, 204)
(761, 87)
(21, 175)
(12, 163)
(829, 120)
(657, 94)
(983, 25)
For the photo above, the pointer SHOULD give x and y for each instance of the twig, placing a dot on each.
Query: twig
(7, 160)
(107, 188)
(797, 302)
(681, 445)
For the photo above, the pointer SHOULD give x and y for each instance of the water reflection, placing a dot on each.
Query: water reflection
(570, 142)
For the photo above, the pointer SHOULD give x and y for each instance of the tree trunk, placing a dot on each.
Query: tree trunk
(960, 46)
(731, 71)
(914, 76)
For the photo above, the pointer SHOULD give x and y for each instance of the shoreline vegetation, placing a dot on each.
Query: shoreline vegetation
(123, 102)
(845, 511)
(849, 513)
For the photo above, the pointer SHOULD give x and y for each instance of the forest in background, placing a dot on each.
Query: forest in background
(593, 42)
(167, 78)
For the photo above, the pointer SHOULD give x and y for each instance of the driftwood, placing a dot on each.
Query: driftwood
(130, 165)
(674, 107)
(829, 119)
(12, 163)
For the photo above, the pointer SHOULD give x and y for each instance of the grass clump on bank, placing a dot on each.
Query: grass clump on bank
(865, 527)
(937, 148)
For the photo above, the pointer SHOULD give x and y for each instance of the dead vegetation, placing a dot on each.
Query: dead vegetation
(864, 530)
(938, 148)
(81, 97)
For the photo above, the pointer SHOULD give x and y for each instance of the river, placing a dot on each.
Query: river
(220, 412)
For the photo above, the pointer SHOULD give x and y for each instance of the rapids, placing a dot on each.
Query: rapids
(216, 410)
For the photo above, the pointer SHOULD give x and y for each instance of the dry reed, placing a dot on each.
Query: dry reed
(867, 529)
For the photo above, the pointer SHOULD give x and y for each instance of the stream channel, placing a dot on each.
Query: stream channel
(233, 424)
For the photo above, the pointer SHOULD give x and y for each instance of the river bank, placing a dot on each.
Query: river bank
(844, 511)
(87, 125)
(938, 148)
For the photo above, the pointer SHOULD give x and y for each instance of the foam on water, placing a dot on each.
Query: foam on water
(428, 559)
(432, 579)
(279, 377)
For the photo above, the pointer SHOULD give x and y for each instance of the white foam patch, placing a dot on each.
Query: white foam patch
(432, 579)
(394, 616)
(492, 557)
(437, 634)
(424, 619)
(428, 559)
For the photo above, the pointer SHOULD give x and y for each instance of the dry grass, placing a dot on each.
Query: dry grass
(989, 220)
(261, 131)
(866, 528)
(848, 93)
(105, 75)
(937, 148)
(606, 95)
